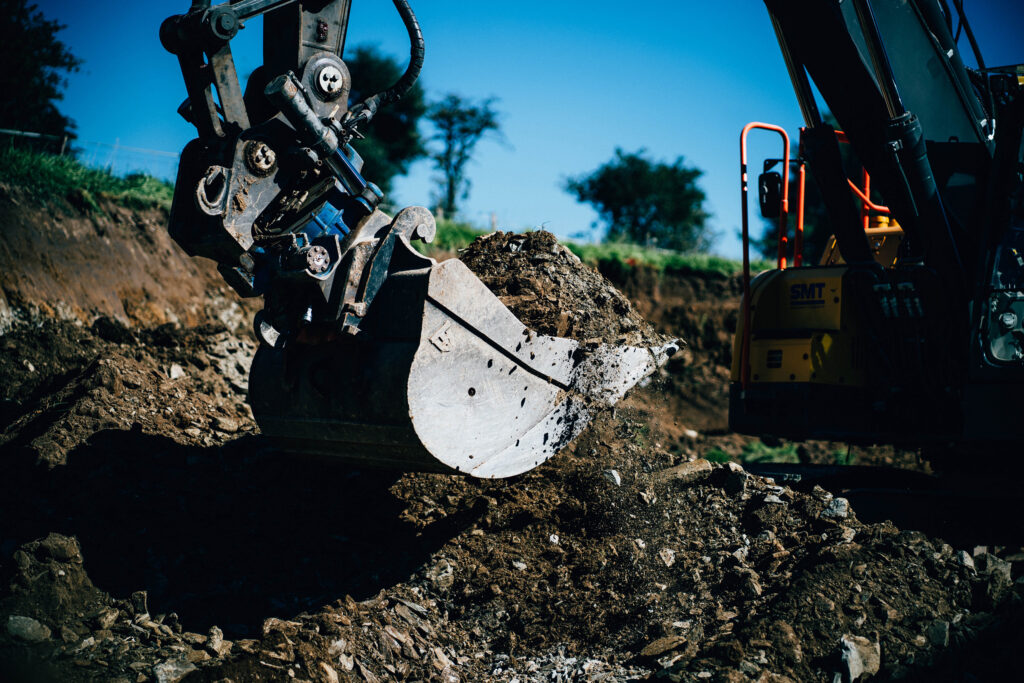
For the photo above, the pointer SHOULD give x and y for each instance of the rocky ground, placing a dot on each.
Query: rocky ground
(148, 534)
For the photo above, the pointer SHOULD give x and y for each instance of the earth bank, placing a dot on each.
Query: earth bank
(149, 535)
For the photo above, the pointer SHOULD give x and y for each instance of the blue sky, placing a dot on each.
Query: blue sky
(574, 80)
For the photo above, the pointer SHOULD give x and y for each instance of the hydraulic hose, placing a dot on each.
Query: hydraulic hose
(367, 109)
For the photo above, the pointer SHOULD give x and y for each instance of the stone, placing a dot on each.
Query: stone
(736, 481)
(687, 472)
(107, 618)
(139, 602)
(442, 576)
(613, 476)
(668, 556)
(172, 670)
(660, 646)
(61, 548)
(27, 629)
(176, 371)
(965, 559)
(837, 508)
(938, 633)
(228, 425)
(215, 643)
(330, 675)
(858, 657)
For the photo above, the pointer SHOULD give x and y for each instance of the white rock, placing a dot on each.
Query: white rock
(668, 556)
(553, 538)
(27, 629)
(613, 476)
(838, 508)
(173, 670)
(859, 656)
(176, 371)
(964, 558)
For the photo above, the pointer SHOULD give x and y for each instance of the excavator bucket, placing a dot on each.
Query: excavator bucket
(443, 378)
(369, 352)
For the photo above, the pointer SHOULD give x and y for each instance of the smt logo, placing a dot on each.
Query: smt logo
(807, 294)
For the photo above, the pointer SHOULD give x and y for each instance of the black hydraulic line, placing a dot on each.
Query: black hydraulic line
(879, 59)
(970, 34)
(798, 77)
(367, 109)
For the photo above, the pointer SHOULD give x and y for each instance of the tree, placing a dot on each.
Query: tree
(393, 141)
(647, 202)
(35, 68)
(459, 125)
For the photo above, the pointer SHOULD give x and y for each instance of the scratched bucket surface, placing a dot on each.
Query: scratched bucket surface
(449, 380)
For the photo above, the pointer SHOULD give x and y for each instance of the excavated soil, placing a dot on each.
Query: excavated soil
(149, 534)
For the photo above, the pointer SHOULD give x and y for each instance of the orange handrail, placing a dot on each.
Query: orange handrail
(744, 191)
(798, 242)
(866, 202)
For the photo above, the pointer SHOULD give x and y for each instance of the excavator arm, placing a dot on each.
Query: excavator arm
(369, 352)
(924, 344)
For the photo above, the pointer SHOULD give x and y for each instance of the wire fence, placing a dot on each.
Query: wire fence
(114, 157)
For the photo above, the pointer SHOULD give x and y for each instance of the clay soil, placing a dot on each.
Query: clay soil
(147, 533)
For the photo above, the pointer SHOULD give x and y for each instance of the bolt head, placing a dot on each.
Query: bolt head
(260, 158)
(317, 259)
(330, 80)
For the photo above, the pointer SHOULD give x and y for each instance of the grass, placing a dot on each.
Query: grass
(619, 255)
(48, 175)
(756, 451)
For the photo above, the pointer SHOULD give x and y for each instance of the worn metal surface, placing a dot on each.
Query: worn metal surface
(451, 381)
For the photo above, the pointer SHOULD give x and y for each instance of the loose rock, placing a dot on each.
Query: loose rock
(27, 629)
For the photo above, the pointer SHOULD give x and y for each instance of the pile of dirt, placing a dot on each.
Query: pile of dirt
(551, 292)
(150, 535)
(65, 383)
(78, 632)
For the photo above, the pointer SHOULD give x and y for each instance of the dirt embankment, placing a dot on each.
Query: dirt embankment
(76, 263)
(149, 535)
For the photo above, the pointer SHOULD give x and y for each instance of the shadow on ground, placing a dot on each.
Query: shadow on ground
(223, 535)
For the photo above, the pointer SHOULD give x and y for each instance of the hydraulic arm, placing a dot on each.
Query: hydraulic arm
(369, 351)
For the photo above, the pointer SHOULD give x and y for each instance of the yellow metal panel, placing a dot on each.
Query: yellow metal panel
(799, 299)
(822, 358)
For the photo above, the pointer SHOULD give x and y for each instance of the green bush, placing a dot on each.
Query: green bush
(616, 257)
(47, 175)
(756, 451)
